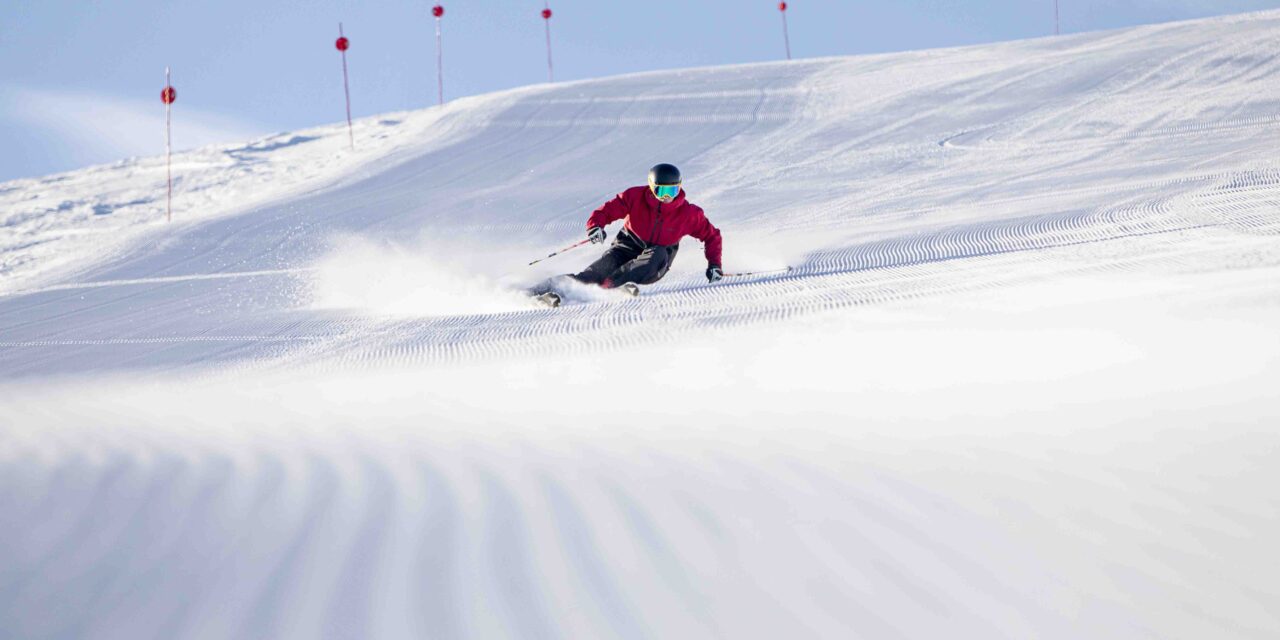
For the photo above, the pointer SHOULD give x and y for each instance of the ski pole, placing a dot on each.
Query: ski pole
(755, 273)
(552, 255)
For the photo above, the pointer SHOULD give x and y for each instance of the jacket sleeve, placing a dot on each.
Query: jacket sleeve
(710, 237)
(615, 209)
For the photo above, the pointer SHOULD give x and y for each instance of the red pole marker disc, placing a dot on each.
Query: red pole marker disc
(782, 6)
(437, 11)
(168, 95)
(546, 14)
(342, 44)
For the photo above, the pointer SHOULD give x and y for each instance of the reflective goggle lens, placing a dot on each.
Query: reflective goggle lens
(666, 191)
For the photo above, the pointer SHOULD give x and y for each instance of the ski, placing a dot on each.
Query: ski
(554, 299)
(550, 299)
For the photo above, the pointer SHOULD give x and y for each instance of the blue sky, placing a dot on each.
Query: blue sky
(80, 80)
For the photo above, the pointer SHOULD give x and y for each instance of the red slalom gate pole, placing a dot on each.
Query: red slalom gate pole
(438, 12)
(168, 95)
(343, 44)
(786, 38)
(546, 19)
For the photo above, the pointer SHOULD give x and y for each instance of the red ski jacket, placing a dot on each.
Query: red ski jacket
(657, 223)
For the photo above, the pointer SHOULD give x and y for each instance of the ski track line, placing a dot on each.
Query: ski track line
(73, 286)
(1245, 124)
(717, 96)
(1248, 202)
(648, 121)
(160, 340)
(827, 213)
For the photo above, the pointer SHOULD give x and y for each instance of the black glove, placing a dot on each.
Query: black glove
(714, 273)
(596, 235)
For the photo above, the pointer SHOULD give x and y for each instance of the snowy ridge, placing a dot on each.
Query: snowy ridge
(57, 224)
(1020, 381)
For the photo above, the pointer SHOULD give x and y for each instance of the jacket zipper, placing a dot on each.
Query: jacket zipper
(657, 226)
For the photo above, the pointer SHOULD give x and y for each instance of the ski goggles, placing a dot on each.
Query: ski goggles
(665, 191)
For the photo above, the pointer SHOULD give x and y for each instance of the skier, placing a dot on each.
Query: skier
(657, 217)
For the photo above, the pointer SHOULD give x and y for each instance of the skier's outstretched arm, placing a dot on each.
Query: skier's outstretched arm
(712, 247)
(615, 209)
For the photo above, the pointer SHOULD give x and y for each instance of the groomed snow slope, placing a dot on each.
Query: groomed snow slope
(1020, 383)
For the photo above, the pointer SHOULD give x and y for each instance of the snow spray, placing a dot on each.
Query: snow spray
(378, 278)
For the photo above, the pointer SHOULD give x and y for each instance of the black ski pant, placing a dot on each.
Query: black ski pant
(629, 260)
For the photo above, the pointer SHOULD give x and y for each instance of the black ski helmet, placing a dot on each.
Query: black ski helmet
(664, 174)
